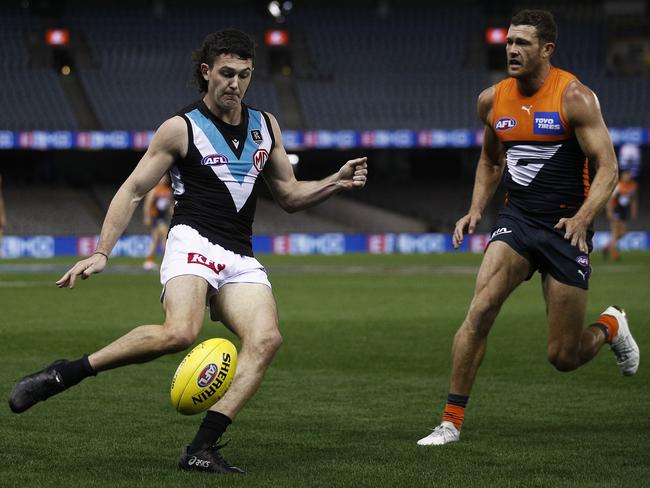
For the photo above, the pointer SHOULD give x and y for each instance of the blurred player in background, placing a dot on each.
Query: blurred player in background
(629, 158)
(3, 216)
(157, 207)
(217, 151)
(623, 206)
(541, 123)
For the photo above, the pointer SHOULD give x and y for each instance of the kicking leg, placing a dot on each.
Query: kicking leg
(185, 310)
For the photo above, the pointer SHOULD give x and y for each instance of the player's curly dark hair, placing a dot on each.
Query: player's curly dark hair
(542, 20)
(228, 41)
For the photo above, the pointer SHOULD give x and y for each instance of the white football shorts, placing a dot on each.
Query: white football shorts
(189, 253)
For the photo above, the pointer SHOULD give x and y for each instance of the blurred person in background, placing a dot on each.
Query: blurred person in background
(629, 158)
(3, 216)
(623, 206)
(157, 208)
(541, 127)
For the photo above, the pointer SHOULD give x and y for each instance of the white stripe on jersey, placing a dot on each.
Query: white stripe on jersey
(239, 193)
(177, 182)
(524, 174)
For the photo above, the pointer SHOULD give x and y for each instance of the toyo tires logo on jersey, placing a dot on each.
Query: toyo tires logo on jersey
(505, 123)
(259, 159)
(207, 375)
(214, 160)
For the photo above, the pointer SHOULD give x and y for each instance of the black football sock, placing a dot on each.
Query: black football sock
(72, 372)
(213, 426)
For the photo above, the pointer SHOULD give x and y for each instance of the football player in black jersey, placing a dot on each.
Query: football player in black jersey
(222, 268)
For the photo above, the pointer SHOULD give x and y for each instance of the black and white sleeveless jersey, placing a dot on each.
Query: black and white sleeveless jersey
(547, 175)
(215, 184)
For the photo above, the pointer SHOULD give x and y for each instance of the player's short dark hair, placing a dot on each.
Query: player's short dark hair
(542, 20)
(228, 41)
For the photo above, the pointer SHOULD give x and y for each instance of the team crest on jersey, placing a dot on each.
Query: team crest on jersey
(256, 135)
(214, 160)
(547, 124)
(505, 123)
(259, 159)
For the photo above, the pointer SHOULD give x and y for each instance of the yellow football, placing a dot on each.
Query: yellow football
(203, 376)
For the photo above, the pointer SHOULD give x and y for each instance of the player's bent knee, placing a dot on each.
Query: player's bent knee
(563, 362)
(481, 316)
(177, 340)
(266, 345)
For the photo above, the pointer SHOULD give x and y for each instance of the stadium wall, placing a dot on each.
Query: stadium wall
(45, 246)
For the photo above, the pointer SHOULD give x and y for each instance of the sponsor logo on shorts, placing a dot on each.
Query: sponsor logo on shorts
(583, 261)
(207, 375)
(584, 274)
(196, 258)
(505, 123)
(256, 135)
(259, 159)
(547, 124)
(499, 231)
(214, 160)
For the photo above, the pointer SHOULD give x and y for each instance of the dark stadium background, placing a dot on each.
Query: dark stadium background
(364, 368)
(408, 67)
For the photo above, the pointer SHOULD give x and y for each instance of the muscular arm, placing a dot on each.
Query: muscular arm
(293, 195)
(488, 170)
(146, 207)
(169, 142)
(582, 111)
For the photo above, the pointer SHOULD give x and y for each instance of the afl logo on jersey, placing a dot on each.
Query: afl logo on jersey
(214, 160)
(259, 159)
(505, 123)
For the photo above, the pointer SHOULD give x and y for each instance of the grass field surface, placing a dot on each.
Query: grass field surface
(361, 376)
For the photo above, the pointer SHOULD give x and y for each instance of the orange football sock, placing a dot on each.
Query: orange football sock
(611, 324)
(454, 414)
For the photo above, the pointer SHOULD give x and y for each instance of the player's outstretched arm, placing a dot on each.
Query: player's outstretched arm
(169, 142)
(146, 207)
(293, 195)
(488, 171)
(582, 111)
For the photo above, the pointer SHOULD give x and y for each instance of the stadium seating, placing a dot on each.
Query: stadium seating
(143, 71)
(409, 67)
(31, 98)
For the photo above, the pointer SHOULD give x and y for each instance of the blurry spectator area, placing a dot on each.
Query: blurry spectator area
(142, 70)
(409, 67)
(30, 98)
(360, 65)
(54, 210)
(43, 209)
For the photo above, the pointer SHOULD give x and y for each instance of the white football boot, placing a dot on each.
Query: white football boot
(445, 433)
(624, 346)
